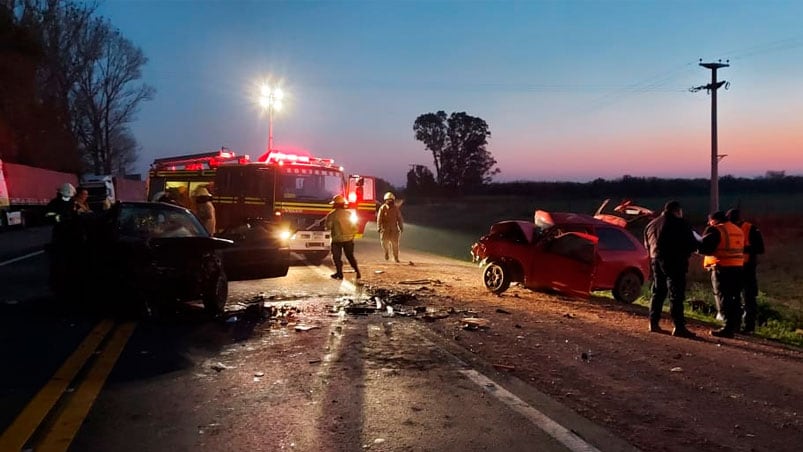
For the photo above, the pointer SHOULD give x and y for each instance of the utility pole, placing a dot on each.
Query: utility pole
(715, 157)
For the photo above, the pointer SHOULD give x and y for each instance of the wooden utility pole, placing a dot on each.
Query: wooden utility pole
(712, 88)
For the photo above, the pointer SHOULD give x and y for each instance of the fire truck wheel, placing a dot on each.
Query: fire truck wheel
(316, 257)
(215, 293)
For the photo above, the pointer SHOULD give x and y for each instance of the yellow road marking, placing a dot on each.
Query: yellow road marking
(69, 420)
(28, 420)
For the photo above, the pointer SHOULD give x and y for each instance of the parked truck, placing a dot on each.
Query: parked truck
(25, 191)
(105, 190)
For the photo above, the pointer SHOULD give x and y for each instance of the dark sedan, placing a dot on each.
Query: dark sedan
(141, 256)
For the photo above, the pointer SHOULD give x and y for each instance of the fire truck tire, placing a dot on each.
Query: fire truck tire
(496, 276)
(216, 293)
(316, 257)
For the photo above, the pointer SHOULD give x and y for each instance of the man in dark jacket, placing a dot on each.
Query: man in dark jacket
(670, 241)
(753, 246)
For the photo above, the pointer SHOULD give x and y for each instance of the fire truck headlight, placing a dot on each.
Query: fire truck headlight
(285, 235)
(353, 217)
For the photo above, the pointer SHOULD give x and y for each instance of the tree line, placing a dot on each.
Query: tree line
(69, 88)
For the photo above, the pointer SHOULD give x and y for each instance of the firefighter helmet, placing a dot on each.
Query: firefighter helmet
(338, 199)
(67, 190)
(389, 196)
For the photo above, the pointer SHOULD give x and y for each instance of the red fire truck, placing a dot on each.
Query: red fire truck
(293, 190)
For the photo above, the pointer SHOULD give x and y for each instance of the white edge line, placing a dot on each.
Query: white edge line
(542, 421)
(17, 259)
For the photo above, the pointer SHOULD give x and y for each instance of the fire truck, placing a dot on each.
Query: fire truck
(292, 190)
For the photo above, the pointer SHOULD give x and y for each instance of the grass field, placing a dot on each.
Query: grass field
(449, 227)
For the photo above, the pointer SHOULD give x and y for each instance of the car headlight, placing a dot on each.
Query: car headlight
(353, 217)
(285, 234)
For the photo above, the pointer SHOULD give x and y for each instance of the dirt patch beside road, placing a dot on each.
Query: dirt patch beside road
(655, 391)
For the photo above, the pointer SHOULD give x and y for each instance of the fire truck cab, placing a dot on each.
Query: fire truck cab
(289, 190)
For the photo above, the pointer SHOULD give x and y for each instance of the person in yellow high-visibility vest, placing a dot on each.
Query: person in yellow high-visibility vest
(723, 247)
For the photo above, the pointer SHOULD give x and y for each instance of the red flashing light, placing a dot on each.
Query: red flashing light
(195, 166)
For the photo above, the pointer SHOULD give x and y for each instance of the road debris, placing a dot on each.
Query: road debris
(379, 272)
(676, 369)
(502, 311)
(475, 323)
(301, 327)
(421, 281)
(504, 367)
(218, 366)
(259, 374)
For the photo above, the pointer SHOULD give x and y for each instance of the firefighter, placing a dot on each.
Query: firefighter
(62, 207)
(390, 224)
(670, 242)
(753, 246)
(723, 247)
(204, 209)
(343, 228)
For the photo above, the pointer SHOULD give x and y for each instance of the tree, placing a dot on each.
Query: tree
(107, 98)
(420, 180)
(91, 70)
(459, 148)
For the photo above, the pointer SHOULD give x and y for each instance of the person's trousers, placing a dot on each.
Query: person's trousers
(347, 248)
(672, 281)
(750, 292)
(727, 285)
(390, 243)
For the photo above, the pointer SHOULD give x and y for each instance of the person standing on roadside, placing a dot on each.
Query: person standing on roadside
(343, 227)
(723, 247)
(670, 241)
(390, 224)
(753, 246)
(80, 201)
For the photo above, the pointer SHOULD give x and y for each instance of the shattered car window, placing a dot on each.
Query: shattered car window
(157, 222)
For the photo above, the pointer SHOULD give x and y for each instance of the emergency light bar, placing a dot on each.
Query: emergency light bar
(283, 158)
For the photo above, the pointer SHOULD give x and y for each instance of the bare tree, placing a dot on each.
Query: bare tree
(108, 97)
(91, 69)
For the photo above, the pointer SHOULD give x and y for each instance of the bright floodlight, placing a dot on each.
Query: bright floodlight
(270, 99)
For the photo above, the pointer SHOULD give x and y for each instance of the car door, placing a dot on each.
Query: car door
(565, 263)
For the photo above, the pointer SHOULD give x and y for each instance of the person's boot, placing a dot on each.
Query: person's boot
(722, 332)
(337, 275)
(655, 327)
(681, 331)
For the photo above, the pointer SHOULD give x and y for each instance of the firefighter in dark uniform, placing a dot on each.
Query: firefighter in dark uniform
(723, 247)
(753, 246)
(670, 241)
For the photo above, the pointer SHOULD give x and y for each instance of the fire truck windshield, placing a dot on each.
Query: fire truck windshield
(307, 184)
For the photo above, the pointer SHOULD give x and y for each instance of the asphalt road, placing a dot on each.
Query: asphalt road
(76, 381)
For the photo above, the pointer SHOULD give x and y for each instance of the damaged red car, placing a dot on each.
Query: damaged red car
(569, 253)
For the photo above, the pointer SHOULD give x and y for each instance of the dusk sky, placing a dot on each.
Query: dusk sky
(571, 90)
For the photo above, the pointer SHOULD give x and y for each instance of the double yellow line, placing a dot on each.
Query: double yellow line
(70, 414)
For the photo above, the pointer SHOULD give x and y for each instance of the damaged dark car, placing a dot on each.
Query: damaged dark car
(141, 256)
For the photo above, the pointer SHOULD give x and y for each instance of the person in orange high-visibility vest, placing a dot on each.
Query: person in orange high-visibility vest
(723, 247)
(753, 246)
